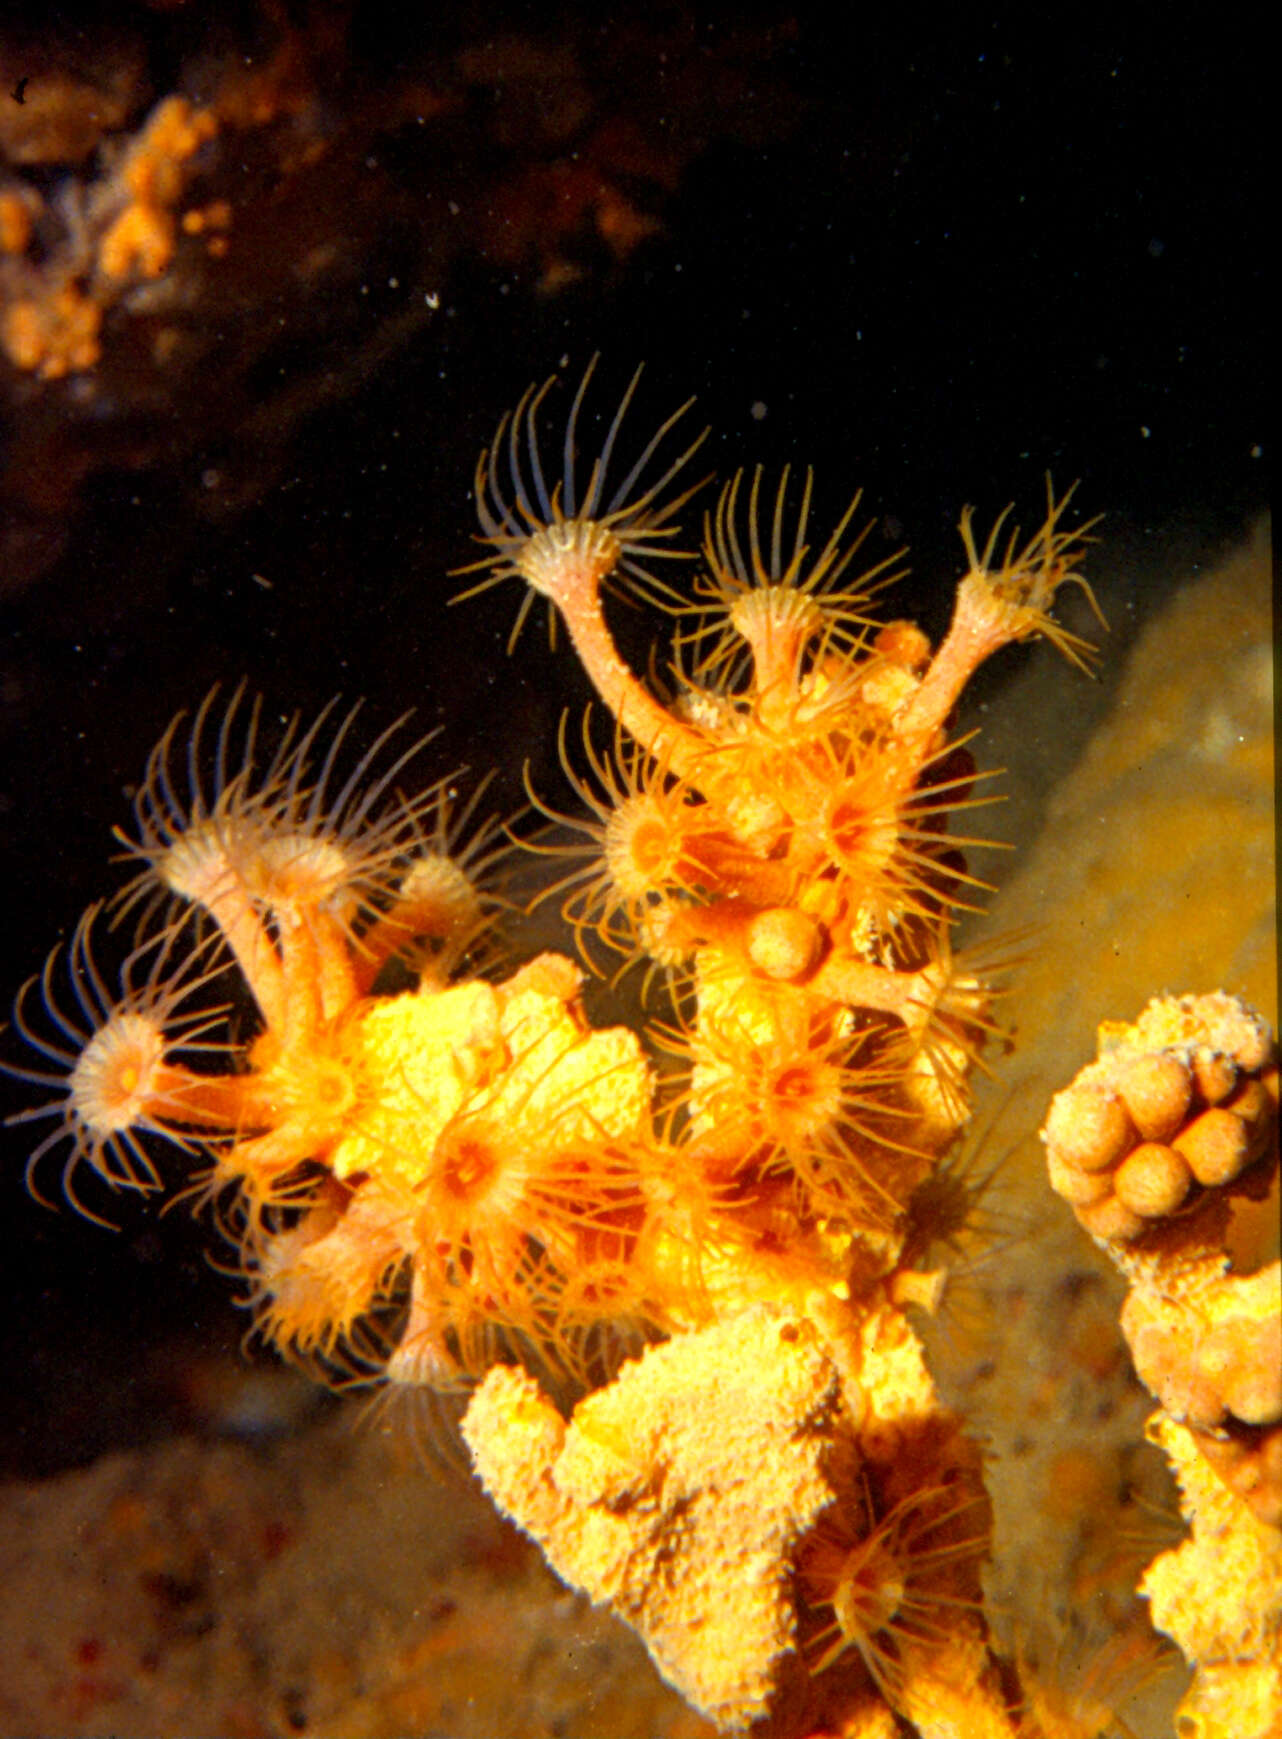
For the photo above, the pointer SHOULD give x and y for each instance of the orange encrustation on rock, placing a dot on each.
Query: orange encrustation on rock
(1152, 1144)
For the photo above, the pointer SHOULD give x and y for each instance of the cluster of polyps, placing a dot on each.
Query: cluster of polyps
(429, 1167)
(1156, 1144)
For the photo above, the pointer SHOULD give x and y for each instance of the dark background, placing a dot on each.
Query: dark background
(935, 261)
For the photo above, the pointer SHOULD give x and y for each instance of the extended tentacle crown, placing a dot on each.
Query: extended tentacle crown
(431, 1168)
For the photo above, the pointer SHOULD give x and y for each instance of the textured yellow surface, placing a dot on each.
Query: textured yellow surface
(1219, 1594)
(677, 1493)
(685, 1496)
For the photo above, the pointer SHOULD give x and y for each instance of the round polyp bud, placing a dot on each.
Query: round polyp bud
(1253, 1045)
(1087, 1127)
(1215, 1075)
(783, 943)
(1082, 1188)
(1112, 1221)
(1157, 1090)
(1153, 1180)
(1252, 1105)
(1216, 1146)
(903, 643)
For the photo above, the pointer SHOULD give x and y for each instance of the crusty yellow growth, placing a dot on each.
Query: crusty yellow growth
(470, 1119)
(1150, 1144)
(1219, 1595)
(677, 1494)
(683, 1494)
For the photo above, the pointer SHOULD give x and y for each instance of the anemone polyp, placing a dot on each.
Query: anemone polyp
(314, 1281)
(285, 832)
(896, 1577)
(779, 602)
(300, 872)
(113, 1056)
(642, 847)
(565, 540)
(566, 557)
(638, 849)
(115, 1077)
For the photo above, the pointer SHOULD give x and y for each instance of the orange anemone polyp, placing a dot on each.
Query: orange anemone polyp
(563, 558)
(314, 1282)
(642, 847)
(861, 835)
(869, 1592)
(436, 897)
(468, 1167)
(299, 870)
(333, 1089)
(801, 1100)
(116, 1078)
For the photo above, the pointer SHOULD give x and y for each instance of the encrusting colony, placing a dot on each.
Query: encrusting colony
(445, 1179)
(1151, 1144)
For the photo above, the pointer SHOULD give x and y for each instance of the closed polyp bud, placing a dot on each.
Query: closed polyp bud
(1082, 1188)
(1157, 1090)
(1252, 1044)
(783, 943)
(1111, 1220)
(1253, 1106)
(1215, 1075)
(1088, 1127)
(1153, 1180)
(1216, 1146)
